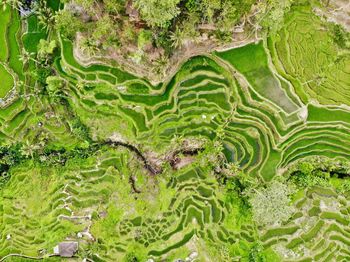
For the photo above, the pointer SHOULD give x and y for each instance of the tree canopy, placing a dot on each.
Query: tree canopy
(158, 12)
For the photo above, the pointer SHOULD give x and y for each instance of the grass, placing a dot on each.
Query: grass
(13, 44)
(321, 114)
(7, 81)
(5, 17)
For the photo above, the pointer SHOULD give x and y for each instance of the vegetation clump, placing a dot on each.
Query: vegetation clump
(272, 205)
(147, 31)
(319, 172)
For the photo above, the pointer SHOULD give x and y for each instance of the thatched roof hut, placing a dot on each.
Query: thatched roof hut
(66, 249)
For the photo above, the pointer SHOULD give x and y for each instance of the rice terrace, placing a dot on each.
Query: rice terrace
(175, 130)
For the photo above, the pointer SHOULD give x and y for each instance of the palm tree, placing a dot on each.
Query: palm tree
(20, 84)
(45, 15)
(177, 142)
(80, 84)
(29, 149)
(177, 37)
(160, 64)
(15, 4)
(88, 46)
(25, 57)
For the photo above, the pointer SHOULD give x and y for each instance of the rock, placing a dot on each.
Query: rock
(193, 255)
(102, 214)
(204, 37)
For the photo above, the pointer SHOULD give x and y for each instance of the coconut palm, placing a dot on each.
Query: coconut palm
(25, 57)
(176, 142)
(45, 15)
(80, 84)
(160, 64)
(177, 37)
(15, 4)
(29, 149)
(88, 46)
(19, 84)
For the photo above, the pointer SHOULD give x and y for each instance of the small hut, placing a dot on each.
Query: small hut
(66, 249)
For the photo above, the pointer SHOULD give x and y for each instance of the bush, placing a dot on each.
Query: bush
(158, 13)
(9, 156)
(271, 204)
(234, 194)
(144, 38)
(341, 37)
(80, 130)
(131, 257)
(256, 253)
(317, 171)
(67, 24)
(163, 40)
(345, 187)
(41, 73)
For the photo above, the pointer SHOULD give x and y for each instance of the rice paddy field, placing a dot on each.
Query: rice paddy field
(94, 165)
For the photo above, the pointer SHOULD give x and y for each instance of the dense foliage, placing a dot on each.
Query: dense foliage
(120, 26)
(271, 205)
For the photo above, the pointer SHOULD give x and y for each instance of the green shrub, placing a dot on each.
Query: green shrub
(256, 253)
(271, 204)
(345, 187)
(130, 257)
(144, 38)
(80, 130)
(158, 13)
(340, 36)
(67, 24)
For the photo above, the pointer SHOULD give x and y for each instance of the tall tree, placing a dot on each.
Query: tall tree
(26, 57)
(15, 4)
(105, 33)
(88, 46)
(177, 37)
(272, 14)
(209, 7)
(45, 49)
(67, 24)
(158, 12)
(45, 15)
(54, 85)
